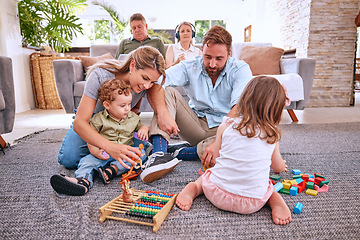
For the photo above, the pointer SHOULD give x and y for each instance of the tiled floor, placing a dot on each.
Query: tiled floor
(38, 119)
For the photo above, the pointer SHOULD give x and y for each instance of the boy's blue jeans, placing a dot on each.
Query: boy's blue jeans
(74, 148)
(89, 164)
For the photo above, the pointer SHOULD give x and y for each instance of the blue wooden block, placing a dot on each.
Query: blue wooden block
(293, 191)
(278, 186)
(296, 171)
(299, 180)
(298, 207)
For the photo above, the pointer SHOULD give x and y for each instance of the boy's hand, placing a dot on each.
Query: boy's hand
(143, 133)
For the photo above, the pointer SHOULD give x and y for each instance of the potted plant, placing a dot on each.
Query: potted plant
(50, 22)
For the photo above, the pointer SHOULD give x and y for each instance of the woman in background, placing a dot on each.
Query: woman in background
(184, 48)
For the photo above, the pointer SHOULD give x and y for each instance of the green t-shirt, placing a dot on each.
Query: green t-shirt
(114, 131)
(129, 44)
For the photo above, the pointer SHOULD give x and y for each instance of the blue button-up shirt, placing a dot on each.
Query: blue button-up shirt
(206, 100)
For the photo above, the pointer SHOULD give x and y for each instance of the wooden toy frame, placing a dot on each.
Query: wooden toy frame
(119, 206)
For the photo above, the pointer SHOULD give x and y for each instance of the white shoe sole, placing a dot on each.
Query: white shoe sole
(153, 173)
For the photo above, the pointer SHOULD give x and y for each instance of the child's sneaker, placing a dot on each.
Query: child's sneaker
(159, 164)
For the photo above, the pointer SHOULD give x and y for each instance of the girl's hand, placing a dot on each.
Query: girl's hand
(207, 158)
(143, 133)
(121, 152)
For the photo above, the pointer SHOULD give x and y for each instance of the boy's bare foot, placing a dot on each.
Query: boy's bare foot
(281, 214)
(185, 198)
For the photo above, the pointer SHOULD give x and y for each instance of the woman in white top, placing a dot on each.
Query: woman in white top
(246, 146)
(184, 48)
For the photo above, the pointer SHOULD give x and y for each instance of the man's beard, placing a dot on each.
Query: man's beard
(214, 71)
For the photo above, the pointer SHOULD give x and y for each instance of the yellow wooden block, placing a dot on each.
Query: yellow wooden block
(287, 181)
(311, 192)
(293, 182)
(286, 185)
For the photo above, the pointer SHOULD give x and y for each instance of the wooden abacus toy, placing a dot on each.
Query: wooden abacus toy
(150, 208)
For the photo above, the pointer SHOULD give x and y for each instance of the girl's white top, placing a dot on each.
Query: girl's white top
(243, 166)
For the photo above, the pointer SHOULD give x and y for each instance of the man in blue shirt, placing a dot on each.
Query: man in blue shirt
(214, 83)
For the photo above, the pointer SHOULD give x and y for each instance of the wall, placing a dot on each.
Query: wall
(324, 30)
(10, 46)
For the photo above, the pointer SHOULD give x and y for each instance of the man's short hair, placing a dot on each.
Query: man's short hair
(137, 17)
(218, 35)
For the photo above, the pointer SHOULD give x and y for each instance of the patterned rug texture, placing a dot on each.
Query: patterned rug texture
(30, 209)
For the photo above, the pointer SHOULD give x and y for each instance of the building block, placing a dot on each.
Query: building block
(272, 181)
(287, 181)
(299, 180)
(305, 177)
(296, 176)
(323, 182)
(324, 188)
(311, 176)
(275, 177)
(278, 186)
(285, 191)
(318, 180)
(311, 180)
(296, 171)
(293, 182)
(301, 186)
(311, 192)
(298, 207)
(286, 185)
(319, 175)
(310, 185)
(293, 191)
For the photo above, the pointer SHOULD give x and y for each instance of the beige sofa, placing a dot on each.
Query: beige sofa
(296, 73)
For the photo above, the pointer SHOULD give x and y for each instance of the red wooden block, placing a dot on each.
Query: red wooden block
(272, 181)
(305, 177)
(318, 180)
(300, 186)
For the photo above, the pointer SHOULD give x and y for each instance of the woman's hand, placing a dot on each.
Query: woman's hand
(121, 152)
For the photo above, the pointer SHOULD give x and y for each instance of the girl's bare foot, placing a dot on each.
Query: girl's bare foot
(185, 198)
(281, 214)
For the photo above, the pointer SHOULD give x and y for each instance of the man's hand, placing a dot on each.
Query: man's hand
(167, 123)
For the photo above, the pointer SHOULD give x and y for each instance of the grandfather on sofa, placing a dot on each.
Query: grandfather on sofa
(296, 74)
(7, 98)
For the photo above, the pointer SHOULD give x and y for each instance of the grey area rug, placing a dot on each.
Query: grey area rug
(30, 209)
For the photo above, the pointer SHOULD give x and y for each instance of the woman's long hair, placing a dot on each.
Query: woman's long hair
(260, 107)
(144, 57)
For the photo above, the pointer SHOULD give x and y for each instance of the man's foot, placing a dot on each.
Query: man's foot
(69, 186)
(185, 198)
(281, 214)
(173, 147)
(159, 164)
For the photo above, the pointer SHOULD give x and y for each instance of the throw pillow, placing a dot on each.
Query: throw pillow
(89, 61)
(262, 60)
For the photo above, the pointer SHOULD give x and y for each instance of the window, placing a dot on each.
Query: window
(202, 26)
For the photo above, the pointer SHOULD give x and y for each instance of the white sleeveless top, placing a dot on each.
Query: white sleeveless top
(243, 166)
(191, 53)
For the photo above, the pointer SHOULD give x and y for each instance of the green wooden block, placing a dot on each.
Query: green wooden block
(323, 182)
(296, 176)
(275, 177)
(310, 185)
(319, 175)
(285, 191)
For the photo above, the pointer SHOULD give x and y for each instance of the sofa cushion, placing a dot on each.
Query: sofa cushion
(89, 61)
(293, 83)
(79, 88)
(262, 60)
